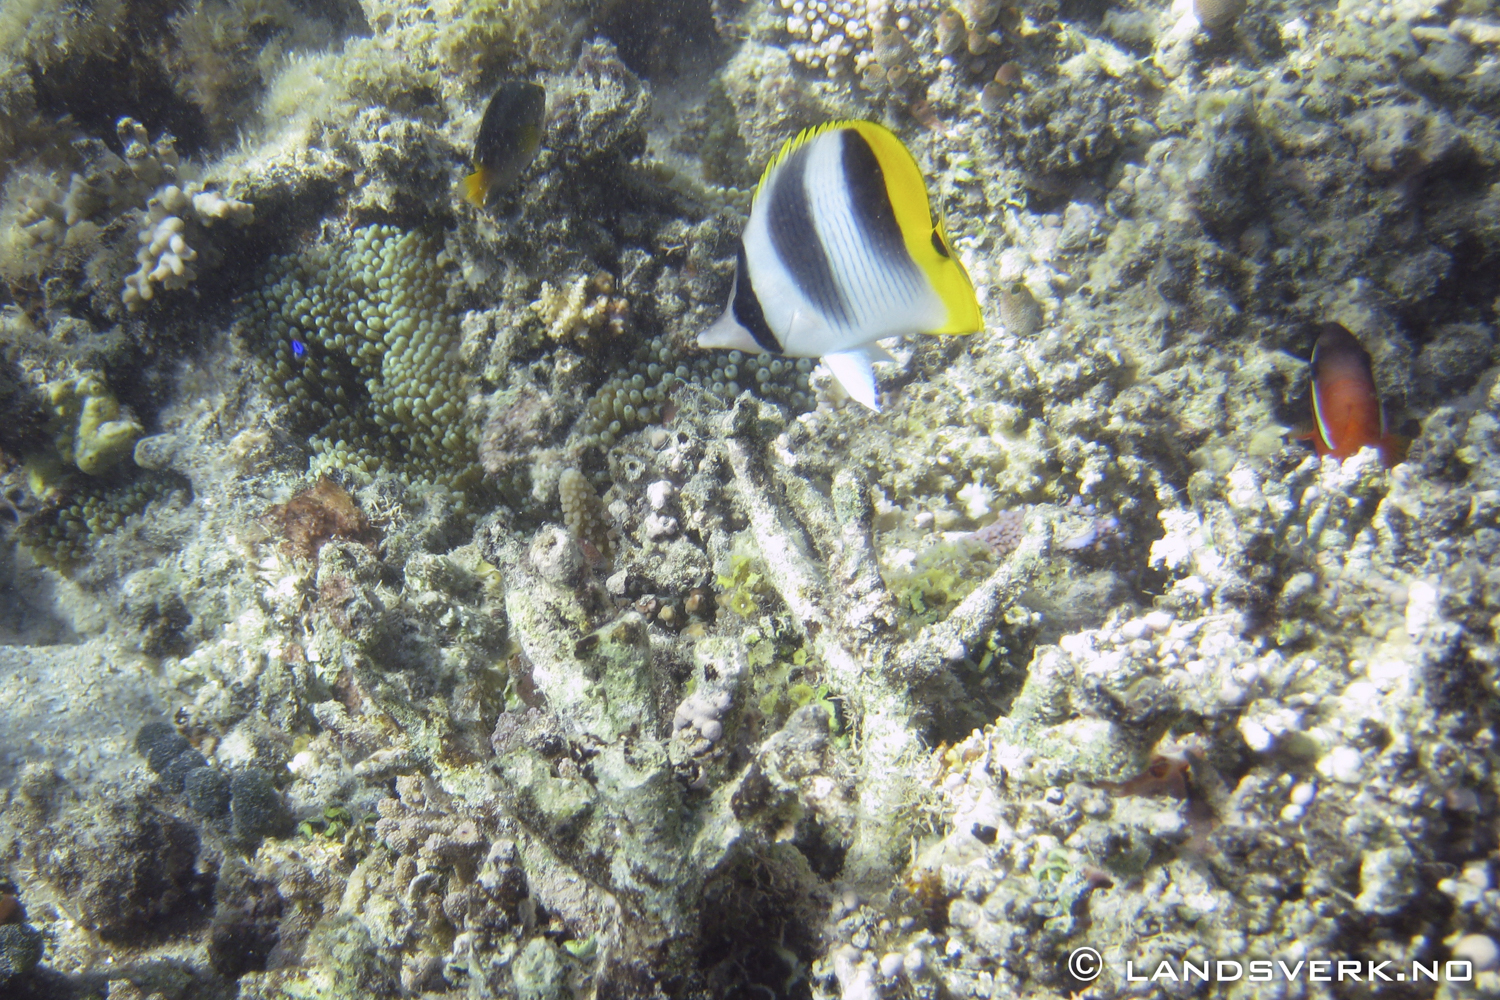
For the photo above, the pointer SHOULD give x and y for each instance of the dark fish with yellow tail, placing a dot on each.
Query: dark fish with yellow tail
(1347, 414)
(509, 136)
(841, 251)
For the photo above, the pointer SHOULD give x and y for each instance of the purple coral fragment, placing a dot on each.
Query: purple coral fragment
(1005, 534)
(703, 712)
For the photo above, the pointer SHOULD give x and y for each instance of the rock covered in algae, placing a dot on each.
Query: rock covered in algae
(20, 950)
(1201, 681)
(130, 868)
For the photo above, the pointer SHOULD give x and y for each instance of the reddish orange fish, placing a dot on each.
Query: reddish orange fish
(1347, 415)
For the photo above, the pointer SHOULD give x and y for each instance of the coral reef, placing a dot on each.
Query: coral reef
(584, 514)
(319, 514)
(87, 427)
(583, 310)
(165, 256)
(20, 950)
(152, 878)
(637, 395)
(405, 606)
(63, 530)
(248, 799)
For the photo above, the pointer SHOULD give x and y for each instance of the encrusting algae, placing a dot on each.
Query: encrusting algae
(318, 514)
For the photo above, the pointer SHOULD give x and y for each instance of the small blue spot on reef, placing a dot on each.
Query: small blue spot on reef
(298, 348)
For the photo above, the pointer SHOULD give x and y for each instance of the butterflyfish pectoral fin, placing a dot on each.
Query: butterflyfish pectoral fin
(851, 369)
(808, 334)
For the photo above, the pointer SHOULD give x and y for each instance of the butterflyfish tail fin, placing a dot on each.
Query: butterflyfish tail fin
(852, 371)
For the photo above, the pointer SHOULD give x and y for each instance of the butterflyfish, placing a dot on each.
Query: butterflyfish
(509, 136)
(842, 250)
(1347, 414)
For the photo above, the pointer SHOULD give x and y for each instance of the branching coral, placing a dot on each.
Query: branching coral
(847, 34)
(52, 224)
(165, 257)
(584, 311)
(845, 616)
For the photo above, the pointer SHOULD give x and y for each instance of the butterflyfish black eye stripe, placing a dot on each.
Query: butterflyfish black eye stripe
(794, 237)
(871, 206)
(747, 310)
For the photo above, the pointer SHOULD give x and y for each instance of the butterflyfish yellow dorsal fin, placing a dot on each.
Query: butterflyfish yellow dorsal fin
(787, 148)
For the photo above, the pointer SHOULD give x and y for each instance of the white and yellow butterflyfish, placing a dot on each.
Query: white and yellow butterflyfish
(841, 251)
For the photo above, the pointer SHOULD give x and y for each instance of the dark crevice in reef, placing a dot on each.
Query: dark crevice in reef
(283, 223)
(666, 39)
(757, 939)
(98, 89)
(824, 853)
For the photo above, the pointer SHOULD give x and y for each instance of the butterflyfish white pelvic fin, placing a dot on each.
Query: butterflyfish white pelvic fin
(853, 372)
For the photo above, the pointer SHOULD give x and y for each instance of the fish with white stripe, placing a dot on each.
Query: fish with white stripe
(841, 251)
